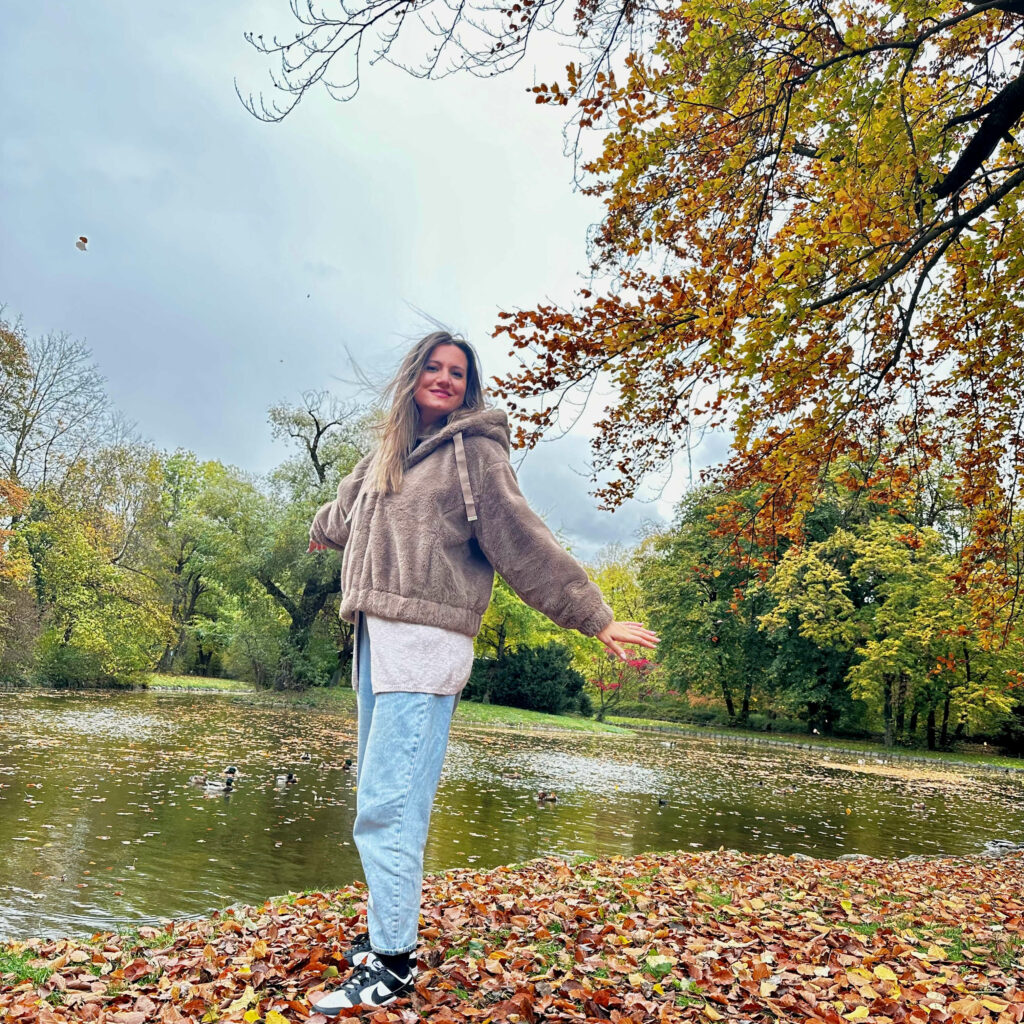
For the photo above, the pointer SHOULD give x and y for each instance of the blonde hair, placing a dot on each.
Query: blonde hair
(398, 429)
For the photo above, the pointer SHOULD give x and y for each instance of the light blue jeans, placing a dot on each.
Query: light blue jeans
(402, 742)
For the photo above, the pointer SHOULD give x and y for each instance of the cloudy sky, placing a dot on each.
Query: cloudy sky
(231, 263)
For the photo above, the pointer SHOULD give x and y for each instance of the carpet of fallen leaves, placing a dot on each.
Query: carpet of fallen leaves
(675, 937)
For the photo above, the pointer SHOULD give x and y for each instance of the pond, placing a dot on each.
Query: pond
(100, 827)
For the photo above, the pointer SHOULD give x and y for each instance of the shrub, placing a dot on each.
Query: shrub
(68, 666)
(533, 678)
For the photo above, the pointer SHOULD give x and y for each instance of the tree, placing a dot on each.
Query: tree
(509, 624)
(813, 234)
(816, 623)
(101, 622)
(617, 681)
(922, 647)
(264, 533)
(14, 372)
(534, 678)
(184, 545)
(326, 430)
(56, 412)
(616, 571)
(705, 609)
(431, 39)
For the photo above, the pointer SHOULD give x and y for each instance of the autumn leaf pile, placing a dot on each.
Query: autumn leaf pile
(675, 937)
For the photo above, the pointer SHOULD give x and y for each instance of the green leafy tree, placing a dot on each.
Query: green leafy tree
(705, 607)
(923, 647)
(262, 543)
(510, 624)
(616, 571)
(101, 622)
(183, 543)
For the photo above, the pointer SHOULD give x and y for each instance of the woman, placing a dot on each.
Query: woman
(424, 521)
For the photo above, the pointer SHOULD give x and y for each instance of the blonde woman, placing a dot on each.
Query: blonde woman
(423, 523)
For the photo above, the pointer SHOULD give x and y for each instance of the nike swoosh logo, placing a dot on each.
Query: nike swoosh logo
(377, 994)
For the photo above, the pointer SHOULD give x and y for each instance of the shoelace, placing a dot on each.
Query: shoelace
(361, 975)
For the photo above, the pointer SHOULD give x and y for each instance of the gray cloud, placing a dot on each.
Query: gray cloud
(554, 478)
(208, 230)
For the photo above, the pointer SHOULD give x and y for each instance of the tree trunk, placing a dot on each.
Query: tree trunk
(961, 728)
(748, 688)
(901, 704)
(944, 734)
(726, 692)
(931, 727)
(303, 613)
(887, 716)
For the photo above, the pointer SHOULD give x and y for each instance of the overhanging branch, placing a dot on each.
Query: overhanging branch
(1005, 110)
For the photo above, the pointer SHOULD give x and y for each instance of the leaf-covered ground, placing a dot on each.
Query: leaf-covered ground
(671, 937)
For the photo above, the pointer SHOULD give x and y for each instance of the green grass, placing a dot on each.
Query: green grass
(473, 948)
(548, 952)
(18, 965)
(690, 995)
(824, 742)
(157, 681)
(1008, 953)
(863, 927)
(468, 713)
(952, 940)
(495, 715)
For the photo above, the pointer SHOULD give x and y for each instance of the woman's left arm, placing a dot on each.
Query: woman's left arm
(519, 545)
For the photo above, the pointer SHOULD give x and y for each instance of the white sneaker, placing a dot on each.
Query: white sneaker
(370, 984)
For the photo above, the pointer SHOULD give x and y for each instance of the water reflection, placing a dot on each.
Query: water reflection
(100, 826)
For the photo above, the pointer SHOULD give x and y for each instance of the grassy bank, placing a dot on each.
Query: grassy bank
(495, 716)
(824, 743)
(342, 698)
(159, 681)
(651, 938)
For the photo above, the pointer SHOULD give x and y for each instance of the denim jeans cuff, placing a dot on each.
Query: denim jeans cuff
(395, 952)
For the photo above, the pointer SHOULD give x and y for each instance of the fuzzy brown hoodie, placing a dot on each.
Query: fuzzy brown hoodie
(414, 555)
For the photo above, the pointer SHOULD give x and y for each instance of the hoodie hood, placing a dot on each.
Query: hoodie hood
(489, 423)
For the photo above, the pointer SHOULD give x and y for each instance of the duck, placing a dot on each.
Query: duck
(546, 797)
(218, 785)
(306, 756)
(662, 802)
(347, 766)
(197, 780)
(286, 780)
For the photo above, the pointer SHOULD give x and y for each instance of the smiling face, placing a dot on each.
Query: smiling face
(441, 387)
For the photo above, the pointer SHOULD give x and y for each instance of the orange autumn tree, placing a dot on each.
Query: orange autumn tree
(813, 236)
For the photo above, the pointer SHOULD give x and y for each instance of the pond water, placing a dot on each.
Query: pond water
(100, 827)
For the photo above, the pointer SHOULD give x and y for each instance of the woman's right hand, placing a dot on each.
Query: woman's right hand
(616, 633)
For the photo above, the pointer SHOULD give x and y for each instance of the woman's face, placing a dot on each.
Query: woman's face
(441, 387)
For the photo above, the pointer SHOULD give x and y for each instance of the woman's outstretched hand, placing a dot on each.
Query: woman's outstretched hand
(616, 633)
